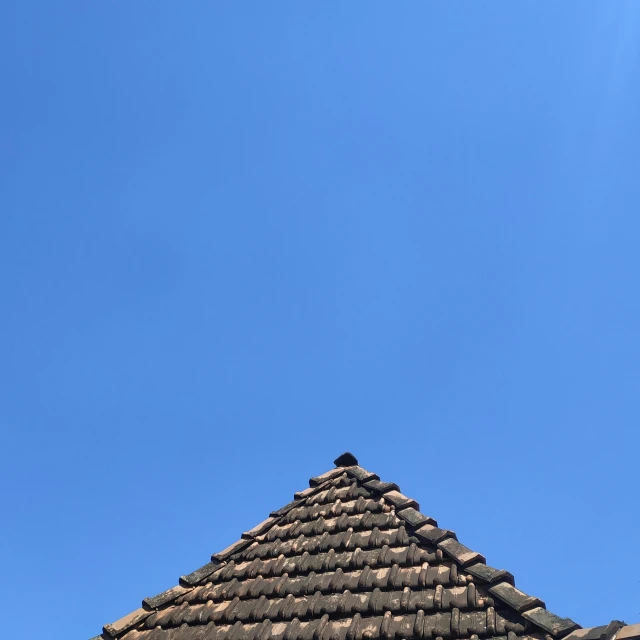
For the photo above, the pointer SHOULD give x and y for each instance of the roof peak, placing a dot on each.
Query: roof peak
(346, 460)
(330, 537)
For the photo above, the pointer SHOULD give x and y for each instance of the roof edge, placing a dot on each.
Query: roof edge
(423, 527)
(530, 607)
(113, 630)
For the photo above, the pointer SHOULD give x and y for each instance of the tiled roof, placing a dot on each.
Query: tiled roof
(351, 558)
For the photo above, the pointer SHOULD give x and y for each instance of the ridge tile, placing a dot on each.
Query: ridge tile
(381, 487)
(165, 596)
(231, 549)
(460, 553)
(414, 518)
(259, 529)
(555, 625)
(592, 633)
(432, 534)
(629, 631)
(126, 623)
(199, 574)
(399, 500)
(301, 495)
(327, 475)
(362, 475)
(346, 460)
(514, 597)
(287, 507)
(489, 574)
(611, 630)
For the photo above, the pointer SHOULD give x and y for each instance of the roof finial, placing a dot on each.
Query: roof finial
(346, 460)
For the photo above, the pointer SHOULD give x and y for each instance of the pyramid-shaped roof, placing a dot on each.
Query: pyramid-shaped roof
(351, 558)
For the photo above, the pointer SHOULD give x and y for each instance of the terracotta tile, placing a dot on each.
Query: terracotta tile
(489, 574)
(231, 549)
(381, 487)
(459, 552)
(629, 632)
(328, 475)
(592, 633)
(351, 558)
(429, 533)
(126, 622)
(200, 574)
(514, 597)
(362, 475)
(399, 500)
(259, 529)
(415, 518)
(551, 623)
(165, 596)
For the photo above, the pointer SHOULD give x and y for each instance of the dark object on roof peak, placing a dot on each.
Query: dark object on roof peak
(346, 460)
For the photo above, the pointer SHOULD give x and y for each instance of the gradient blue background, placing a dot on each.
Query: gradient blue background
(237, 239)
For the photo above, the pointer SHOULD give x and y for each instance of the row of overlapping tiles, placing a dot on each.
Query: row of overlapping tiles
(420, 576)
(348, 539)
(329, 561)
(419, 625)
(344, 603)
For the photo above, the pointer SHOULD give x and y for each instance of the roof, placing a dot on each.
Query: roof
(351, 558)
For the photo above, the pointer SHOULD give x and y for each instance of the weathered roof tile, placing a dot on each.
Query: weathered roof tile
(611, 630)
(489, 574)
(259, 529)
(301, 495)
(556, 626)
(429, 533)
(381, 487)
(285, 509)
(628, 632)
(165, 596)
(199, 574)
(399, 500)
(362, 475)
(231, 549)
(460, 553)
(126, 623)
(414, 518)
(351, 558)
(593, 633)
(514, 597)
(328, 475)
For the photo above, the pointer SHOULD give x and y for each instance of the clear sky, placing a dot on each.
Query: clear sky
(237, 239)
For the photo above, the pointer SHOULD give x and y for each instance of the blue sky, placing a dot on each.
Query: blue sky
(237, 239)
